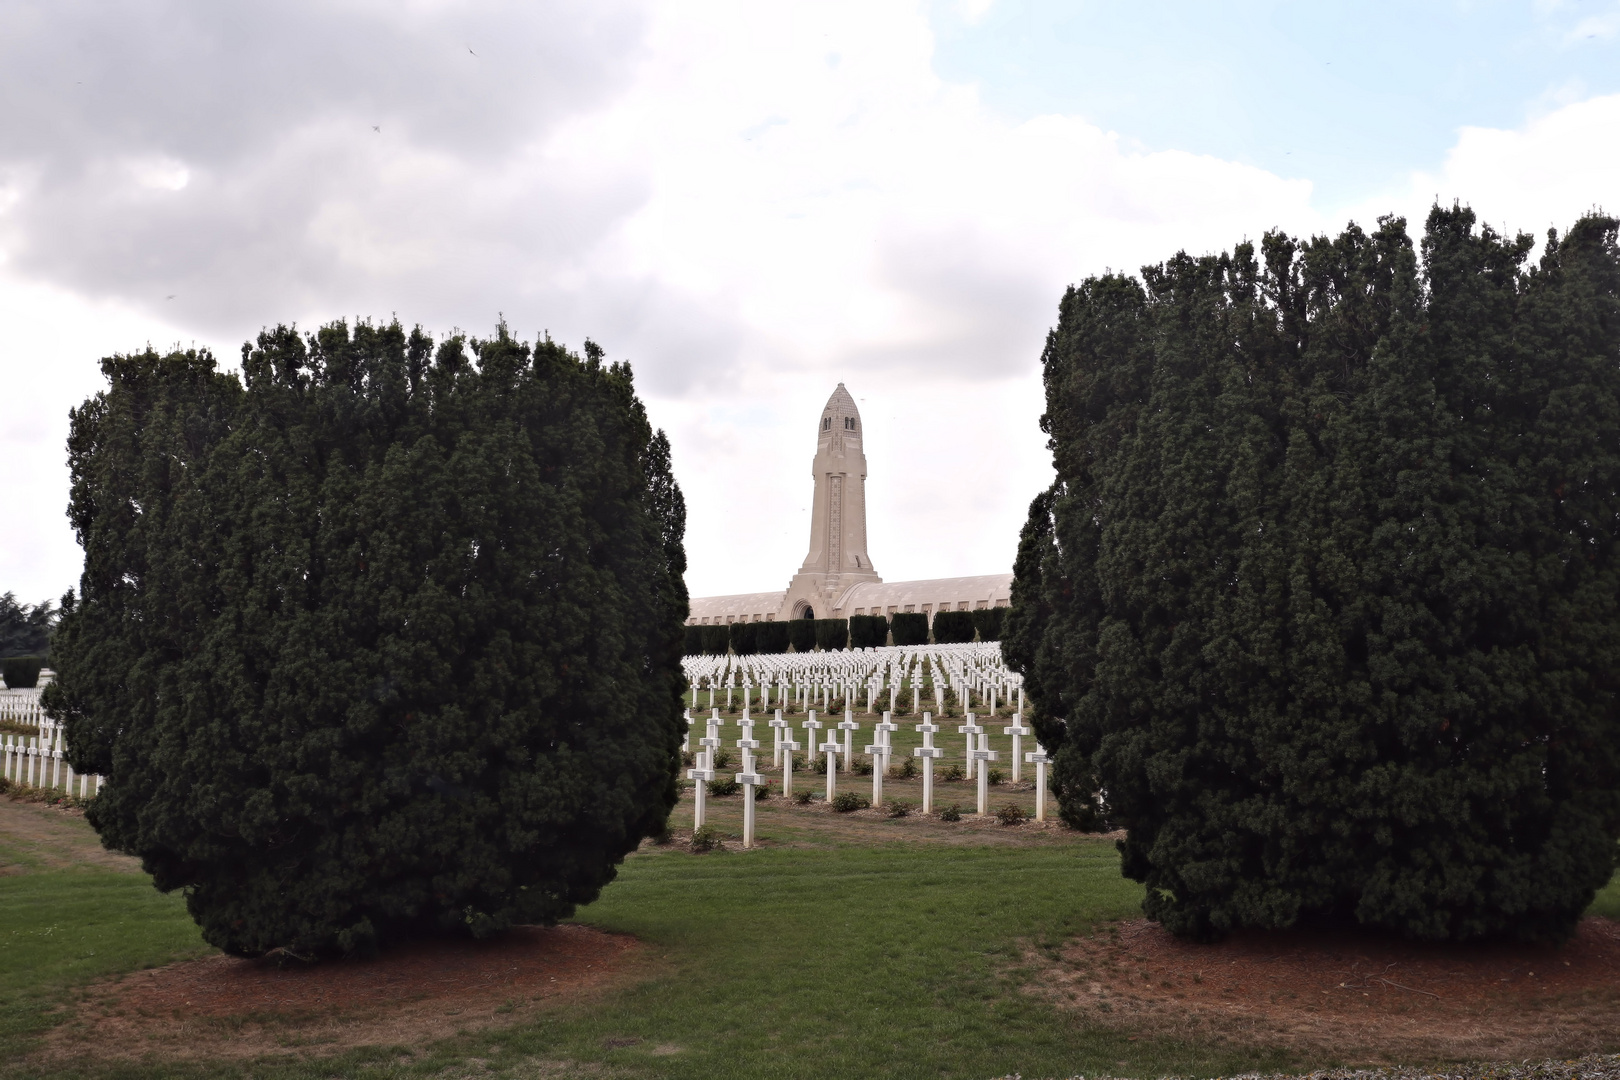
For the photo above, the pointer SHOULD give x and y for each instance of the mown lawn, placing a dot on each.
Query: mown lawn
(856, 956)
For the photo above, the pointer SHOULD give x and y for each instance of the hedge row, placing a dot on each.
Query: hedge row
(856, 632)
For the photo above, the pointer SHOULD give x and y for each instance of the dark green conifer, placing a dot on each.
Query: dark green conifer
(383, 642)
(1325, 596)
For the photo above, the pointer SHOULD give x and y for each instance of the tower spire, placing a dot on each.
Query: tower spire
(837, 558)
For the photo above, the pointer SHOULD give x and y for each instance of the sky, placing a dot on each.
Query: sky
(749, 202)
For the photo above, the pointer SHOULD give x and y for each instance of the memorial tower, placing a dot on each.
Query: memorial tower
(837, 560)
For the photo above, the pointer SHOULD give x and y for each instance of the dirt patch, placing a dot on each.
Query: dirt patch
(220, 1007)
(1354, 996)
(38, 836)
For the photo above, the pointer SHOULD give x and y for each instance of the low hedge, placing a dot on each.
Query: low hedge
(953, 627)
(832, 633)
(909, 628)
(22, 672)
(868, 631)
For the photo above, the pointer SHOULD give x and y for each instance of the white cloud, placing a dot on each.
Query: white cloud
(752, 202)
(1543, 175)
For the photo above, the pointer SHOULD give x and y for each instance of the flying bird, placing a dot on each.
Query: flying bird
(377, 128)
(171, 296)
(469, 49)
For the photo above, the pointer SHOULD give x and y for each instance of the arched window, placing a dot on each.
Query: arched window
(826, 423)
(849, 423)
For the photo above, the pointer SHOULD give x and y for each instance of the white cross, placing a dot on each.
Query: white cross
(928, 752)
(830, 748)
(1038, 758)
(847, 726)
(778, 725)
(981, 756)
(880, 757)
(970, 729)
(1017, 731)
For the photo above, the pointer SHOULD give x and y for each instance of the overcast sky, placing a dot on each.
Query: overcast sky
(749, 201)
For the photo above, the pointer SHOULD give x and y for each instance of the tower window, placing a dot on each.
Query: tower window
(826, 423)
(849, 423)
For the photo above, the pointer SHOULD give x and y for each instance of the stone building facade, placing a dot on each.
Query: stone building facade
(837, 578)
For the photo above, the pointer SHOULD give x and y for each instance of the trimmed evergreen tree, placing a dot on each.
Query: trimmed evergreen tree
(743, 638)
(909, 627)
(832, 633)
(868, 631)
(716, 639)
(380, 640)
(693, 641)
(987, 621)
(772, 637)
(1325, 596)
(954, 627)
(25, 630)
(802, 634)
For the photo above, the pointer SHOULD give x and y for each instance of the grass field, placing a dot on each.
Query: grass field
(844, 947)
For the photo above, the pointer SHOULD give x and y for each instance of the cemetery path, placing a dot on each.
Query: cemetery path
(220, 1007)
(1355, 996)
(34, 836)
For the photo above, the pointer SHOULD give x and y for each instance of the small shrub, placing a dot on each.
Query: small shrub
(1011, 814)
(863, 766)
(720, 789)
(906, 770)
(663, 836)
(705, 840)
(722, 759)
(688, 759)
(953, 771)
(22, 672)
(996, 776)
(803, 797)
(895, 808)
(817, 765)
(952, 812)
(846, 802)
(762, 791)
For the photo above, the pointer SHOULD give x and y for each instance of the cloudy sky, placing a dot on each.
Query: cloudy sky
(750, 201)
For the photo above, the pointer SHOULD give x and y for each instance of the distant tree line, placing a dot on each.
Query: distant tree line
(25, 630)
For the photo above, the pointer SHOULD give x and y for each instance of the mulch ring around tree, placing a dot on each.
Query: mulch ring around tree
(413, 993)
(1354, 997)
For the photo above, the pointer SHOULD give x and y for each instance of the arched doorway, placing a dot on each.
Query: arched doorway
(809, 612)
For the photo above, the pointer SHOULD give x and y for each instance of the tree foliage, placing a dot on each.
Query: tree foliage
(772, 637)
(744, 638)
(988, 622)
(868, 631)
(25, 630)
(832, 633)
(953, 627)
(909, 627)
(381, 640)
(1325, 596)
(802, 634)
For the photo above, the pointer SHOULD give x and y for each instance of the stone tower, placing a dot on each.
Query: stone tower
(837, 560)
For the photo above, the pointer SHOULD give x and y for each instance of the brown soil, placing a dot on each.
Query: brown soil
(1354, 996)
(412, 994)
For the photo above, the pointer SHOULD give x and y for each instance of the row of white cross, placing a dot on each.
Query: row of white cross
(818, 678)
(979, 755)
(42, 763)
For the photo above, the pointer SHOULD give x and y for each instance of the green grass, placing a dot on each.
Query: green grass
(831, 954)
